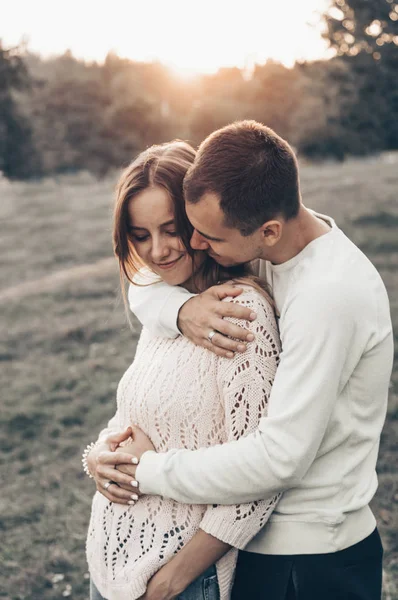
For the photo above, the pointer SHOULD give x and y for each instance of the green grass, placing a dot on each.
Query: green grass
(65, 347)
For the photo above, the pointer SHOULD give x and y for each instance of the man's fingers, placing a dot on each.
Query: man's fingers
(231, 330)
(220, 341)
(235, 311)
(224, 291)
(217, 350)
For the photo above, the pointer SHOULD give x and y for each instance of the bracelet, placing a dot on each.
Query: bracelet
(85, 454)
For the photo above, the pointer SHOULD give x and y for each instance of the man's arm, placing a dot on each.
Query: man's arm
(156, 304)
(169, 310)
(318, 357)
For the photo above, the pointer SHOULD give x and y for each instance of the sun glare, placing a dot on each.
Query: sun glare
(190, 38)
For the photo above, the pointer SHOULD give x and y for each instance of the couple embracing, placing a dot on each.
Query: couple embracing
(240, 462)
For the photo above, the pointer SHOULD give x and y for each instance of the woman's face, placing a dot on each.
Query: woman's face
(153, 233)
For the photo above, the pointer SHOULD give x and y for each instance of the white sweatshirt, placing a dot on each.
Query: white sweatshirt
(320, 441)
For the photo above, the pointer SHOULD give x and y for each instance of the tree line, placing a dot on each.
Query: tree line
(64, 114)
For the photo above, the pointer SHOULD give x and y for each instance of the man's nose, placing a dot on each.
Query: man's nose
(198, 242)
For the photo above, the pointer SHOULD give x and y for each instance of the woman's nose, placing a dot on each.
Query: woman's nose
(198, 242)
(160, 250)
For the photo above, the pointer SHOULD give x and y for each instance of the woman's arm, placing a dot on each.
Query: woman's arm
(202, 551)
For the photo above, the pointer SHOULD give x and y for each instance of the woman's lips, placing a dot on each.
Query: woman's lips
(169, 265)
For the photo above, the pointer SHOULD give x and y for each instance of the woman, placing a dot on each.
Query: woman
(182, 397)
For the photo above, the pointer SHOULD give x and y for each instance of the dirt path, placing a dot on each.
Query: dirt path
(102, 268)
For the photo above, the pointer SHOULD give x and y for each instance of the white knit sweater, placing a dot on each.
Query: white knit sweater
(183, 396)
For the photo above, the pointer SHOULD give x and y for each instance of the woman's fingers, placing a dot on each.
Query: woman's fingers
(107, 473)
(114, 439)
(115, 493)
(115, 458)
(127, 469)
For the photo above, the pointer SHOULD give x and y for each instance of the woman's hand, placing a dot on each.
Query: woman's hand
(139, 444)
(102, 462)
(202, 551)
(161, 586)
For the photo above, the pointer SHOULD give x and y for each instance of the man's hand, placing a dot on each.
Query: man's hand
(205, 313)
(139, 444)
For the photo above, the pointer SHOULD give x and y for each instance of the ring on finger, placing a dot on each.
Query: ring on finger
(107, 484)
(211, 335)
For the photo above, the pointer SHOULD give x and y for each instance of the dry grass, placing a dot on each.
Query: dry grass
(66, 346)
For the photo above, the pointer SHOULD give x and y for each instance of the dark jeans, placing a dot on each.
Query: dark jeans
(351, 574)
(204, 587)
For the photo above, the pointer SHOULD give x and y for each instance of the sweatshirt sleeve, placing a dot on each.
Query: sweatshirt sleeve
(323, 338)
(245, 385)
(156, 304)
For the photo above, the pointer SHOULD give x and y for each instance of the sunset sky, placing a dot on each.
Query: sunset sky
(190, 37)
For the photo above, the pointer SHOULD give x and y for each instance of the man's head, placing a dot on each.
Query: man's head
(241, 189)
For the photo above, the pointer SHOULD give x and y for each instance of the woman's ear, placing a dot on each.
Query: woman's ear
(272, 232)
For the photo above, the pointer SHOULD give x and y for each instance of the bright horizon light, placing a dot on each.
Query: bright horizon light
(188, 38)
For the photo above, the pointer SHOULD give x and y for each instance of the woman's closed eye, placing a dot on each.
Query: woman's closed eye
(143, 238)
(139, 238)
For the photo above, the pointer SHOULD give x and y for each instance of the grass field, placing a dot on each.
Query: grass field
(65, 344)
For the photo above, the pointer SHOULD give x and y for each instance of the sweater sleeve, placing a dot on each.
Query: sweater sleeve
(323, 337)
(156, 304)
(245, 385)
(112, 427)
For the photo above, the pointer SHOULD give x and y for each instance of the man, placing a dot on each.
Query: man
(319, 442)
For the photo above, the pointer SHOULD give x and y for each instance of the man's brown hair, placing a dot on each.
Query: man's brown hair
(252, 170)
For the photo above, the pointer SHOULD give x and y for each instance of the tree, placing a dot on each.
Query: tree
(17, 158)
(364, 33)
(355, 26)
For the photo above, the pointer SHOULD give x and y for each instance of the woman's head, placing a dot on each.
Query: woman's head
(150, 224)
(151, 227)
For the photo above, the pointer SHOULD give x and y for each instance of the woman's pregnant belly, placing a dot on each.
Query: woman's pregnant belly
(124, 541)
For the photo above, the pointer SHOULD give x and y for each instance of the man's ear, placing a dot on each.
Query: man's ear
(272, 232)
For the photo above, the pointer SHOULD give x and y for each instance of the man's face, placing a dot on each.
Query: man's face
(225, 245)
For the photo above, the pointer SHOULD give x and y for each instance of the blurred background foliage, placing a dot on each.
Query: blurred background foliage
(62, 114)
